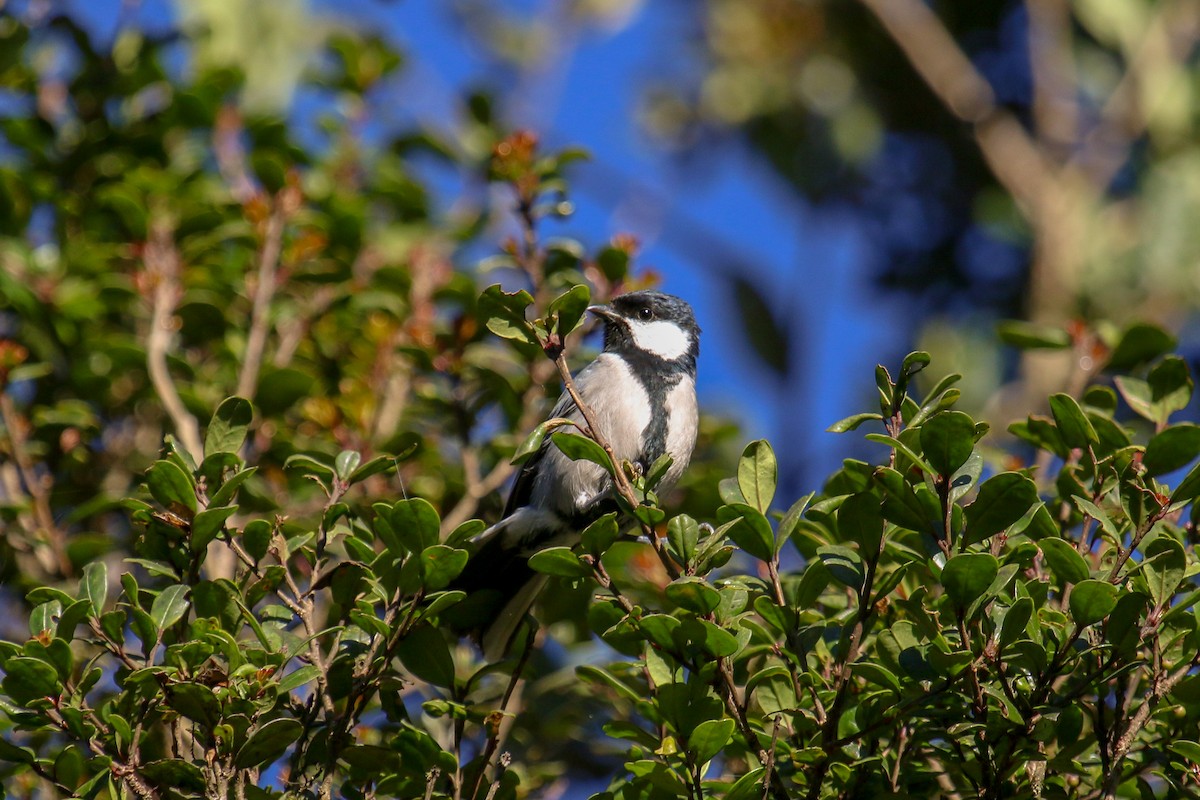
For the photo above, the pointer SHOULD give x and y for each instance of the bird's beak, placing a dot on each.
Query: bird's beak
(604, 312)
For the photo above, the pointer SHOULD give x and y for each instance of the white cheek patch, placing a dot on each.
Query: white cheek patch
(663, 339)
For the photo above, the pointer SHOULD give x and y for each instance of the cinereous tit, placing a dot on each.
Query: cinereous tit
(642, 392)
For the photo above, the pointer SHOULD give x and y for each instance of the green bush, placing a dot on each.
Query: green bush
(255, 606)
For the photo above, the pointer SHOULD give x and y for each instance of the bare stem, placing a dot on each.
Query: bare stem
(260, 316)
(161, 259)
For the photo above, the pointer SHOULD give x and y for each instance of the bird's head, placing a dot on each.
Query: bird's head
(651, 324)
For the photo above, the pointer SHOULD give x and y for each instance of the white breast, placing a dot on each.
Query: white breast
(622, 411)
(682, 426)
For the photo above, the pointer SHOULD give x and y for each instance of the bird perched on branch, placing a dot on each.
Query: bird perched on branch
(641, 390)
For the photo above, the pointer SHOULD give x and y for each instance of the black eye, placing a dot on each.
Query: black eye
(645, 313)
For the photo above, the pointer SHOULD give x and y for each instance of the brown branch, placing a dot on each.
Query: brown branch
(36, 486)
(161, 259)
(260, 315)
(1055, 107)
(231, 156)
(496, 718)
(1161, 685)
(1012, 154)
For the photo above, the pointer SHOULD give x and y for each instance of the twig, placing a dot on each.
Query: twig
(37, 486)
(230, 155)
(1160, 686)
(161, 259)
(496, 718)
(260, 316)
(1013, 155)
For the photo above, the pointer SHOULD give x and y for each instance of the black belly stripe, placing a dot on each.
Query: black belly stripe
(658, 377)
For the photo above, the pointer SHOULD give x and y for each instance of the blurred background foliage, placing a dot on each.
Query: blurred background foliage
(226, 196)
(974, 161)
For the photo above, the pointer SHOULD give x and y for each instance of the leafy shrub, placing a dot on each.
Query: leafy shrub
(261, 608)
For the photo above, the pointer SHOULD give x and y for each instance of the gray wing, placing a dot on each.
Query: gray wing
(523, 486)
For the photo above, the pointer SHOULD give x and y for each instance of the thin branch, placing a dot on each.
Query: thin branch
(37, 486)
(1055, 107)
(1013, 155)
(496, 719)
(161, 259)
(260, 316)
(1161, 685)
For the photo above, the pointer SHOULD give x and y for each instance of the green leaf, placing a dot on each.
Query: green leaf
(1003, 500)
(1164, 568)
(171, 487)
(683, 534)
(852, 422)
(440, 565)
(269, 742)
(227, 429)
(791, 521)
(13, 754)
(1091, 601)
(947, 440)
(504, 313)
(194, 701)
(1064, 560)
(307, 463)
(1137, 395)
(1140, 343)
(170, 606)
(376, 466)
(757, 473)
(425, 654)
(1173, 448)
(533, 442)
(1170, 386)
(560, 561)
(901, 449)
(860, 519)
(208, 524)
(93, 587)
(599, 675)
(416, 523)
(256, 536)
(900, 503)
(576, 447)
(29, 679)
(913, 363)
(600, 535)
(844, 564)
(570, 307)
(694, 594)
(1073, 424)
(301, 676)
(1015, 620)
(184, 777)
(967, 576)
(659, 629)
(346, 463)
(709, 738)
(1189, 488)
(717, 641)
(224, 495)
(752, 532)
(43, 617)
(1032, 336)
(1188, 749)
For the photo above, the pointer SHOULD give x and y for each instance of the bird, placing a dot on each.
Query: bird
(641, 389)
